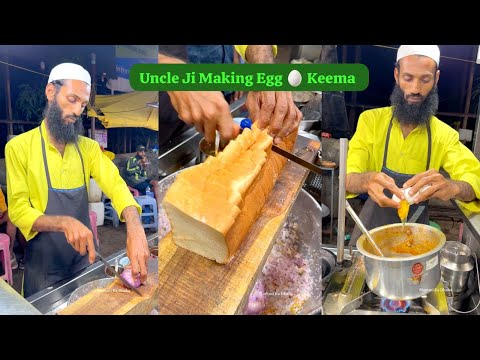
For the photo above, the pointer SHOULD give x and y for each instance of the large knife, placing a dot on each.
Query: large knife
(297, 160)
(112, 269)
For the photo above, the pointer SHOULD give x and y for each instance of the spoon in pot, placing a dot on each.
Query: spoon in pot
(362, 227)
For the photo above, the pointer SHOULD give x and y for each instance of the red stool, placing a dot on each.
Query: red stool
(93, 223)
(5, 259)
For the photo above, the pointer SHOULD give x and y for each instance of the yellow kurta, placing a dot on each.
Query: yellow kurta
(27, 187)
(242, 49)
(409, 155)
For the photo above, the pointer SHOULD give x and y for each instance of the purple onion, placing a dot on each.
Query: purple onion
(127, 275)
(256, 300)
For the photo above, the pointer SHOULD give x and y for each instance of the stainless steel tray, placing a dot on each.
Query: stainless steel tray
(85, 289)
(307, 213)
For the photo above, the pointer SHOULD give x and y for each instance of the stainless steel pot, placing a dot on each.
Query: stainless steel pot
(456, 262)
(406, 277)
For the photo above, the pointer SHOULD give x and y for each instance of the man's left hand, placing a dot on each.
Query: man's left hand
(439, 186)
(137, 246)
(275, 109)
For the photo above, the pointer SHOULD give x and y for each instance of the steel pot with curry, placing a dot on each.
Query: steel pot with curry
(410, 267)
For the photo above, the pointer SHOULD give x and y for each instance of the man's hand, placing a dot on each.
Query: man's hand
(379, 182)
(374, 183)
(440, 187)
(207, 111)
(236, 96)
(137, 246)
(79, 237)
(275, 109)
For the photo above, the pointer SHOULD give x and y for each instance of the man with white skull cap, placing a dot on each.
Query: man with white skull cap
(404, 146)
(48, 173)
(431, 51)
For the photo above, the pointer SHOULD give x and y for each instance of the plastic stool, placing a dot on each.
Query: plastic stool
(5, 259)
(93, 224)
(435, 225)
(134, 191)
(110, 213)
(149, 217)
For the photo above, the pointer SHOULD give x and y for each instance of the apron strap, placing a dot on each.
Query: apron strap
(83, 168)
(45, 163)
(429, 132)
(387, 141)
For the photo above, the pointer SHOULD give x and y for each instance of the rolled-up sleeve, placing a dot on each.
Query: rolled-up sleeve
(242, 50)
(108, 178)
(20, 211)
(462, 165)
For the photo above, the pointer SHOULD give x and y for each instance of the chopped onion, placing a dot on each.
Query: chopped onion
(127, 275)
(256, 300)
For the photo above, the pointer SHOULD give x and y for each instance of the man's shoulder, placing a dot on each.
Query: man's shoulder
(373, 116)
(87, 143)
(23, 139)
(442, 128)
(379, 112)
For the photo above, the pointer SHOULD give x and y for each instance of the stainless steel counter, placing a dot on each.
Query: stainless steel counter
(471, 228)
(12, 303)
(55, 297)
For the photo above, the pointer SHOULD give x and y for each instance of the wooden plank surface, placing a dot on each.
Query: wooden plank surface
(115, 299)
(192, 284)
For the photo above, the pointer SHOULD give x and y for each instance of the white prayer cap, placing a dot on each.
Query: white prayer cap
(69, 71)
(432, 51)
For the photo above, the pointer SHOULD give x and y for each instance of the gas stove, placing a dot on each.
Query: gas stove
(347, 293)
(435, 303)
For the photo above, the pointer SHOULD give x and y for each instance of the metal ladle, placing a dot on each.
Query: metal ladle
(362, 227)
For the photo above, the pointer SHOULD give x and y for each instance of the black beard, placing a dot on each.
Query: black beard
(413, 114)
(60, 130)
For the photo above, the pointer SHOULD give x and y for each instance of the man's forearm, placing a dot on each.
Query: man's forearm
(49, 223)
(130, 214)
(356, 183)
(166, 59)
(464, 191)
(259, 54)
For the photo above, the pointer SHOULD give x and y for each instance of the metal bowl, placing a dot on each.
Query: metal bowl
(109, 273)
(88, 287)
(308, 215)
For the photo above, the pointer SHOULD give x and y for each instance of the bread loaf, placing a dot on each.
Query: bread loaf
(212, 206)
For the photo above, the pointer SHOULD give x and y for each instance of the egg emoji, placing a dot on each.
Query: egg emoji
(294, 78)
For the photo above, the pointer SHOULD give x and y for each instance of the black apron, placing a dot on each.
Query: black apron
(372, 215)
(49, 258)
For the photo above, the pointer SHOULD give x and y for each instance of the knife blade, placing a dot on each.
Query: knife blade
(316, 169)
(112, 269)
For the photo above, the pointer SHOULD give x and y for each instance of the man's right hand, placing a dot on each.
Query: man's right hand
(79, 237)
(207, 111)
(376, 183)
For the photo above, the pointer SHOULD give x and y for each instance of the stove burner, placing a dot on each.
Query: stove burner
(399, 306)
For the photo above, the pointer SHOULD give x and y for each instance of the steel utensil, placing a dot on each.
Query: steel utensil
(297, 160)
(362, 227)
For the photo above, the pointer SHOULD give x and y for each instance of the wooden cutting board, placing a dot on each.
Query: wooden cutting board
(115, 299)
(192, 284)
